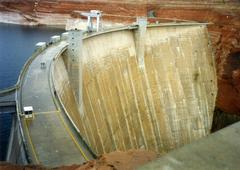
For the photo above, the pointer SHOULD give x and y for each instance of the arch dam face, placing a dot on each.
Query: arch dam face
(151, 87)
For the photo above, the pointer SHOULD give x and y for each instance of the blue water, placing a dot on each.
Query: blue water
(5, 128)
(17, 43)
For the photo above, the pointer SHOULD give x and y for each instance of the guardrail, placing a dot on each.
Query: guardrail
(23, 70)
(58, 102)
(18, 100)
(18, 126)
(8, 90)
(18, 87)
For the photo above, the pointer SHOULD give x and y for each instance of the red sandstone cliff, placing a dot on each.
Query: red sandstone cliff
(224, 30)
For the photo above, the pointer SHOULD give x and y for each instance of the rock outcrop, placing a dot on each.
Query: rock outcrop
(224, 29)
(111, 161)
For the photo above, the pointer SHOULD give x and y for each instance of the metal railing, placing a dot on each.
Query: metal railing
(18, 129)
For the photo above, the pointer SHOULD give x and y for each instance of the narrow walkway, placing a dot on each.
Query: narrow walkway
(219, 150)
(50, 140)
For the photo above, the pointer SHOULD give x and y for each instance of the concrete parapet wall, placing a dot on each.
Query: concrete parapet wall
(41, 45)
(159, 105)
(55, 39)
(65, 92)
(25, 154)
(17, 134)
(64, 36)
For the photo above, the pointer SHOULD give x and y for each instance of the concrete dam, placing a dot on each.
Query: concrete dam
(136, 88)
(141, 86)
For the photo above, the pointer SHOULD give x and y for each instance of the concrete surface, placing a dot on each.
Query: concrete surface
(157, 98)
(220, 150)
(49, 138)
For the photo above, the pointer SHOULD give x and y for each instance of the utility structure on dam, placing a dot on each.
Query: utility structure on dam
(139, 86)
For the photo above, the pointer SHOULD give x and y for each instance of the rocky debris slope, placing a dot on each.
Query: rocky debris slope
(111, 161)
(224, 30)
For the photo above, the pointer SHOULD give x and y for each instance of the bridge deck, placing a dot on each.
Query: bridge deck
(51, 141)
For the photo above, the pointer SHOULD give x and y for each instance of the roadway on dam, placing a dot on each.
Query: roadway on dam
(50, 138)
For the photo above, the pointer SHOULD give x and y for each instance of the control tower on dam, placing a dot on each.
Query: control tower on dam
(140, 86)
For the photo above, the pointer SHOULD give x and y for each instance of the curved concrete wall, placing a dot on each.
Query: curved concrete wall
(65, 92)
(160, 104)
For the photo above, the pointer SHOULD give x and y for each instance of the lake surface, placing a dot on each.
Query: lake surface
(17, 43)
(5, 128)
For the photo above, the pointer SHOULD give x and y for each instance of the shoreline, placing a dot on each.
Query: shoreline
(34, 25)
(42, 19)
(64, 21)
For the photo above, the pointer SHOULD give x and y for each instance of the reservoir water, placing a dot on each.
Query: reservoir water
(17, 43)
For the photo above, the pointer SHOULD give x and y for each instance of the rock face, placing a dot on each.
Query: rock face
(120, 160)
(111, 161)
(224, 30)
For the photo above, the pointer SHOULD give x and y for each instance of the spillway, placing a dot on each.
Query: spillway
(152, 87)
